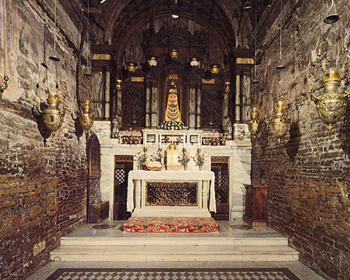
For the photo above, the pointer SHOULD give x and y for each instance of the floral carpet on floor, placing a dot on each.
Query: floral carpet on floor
(173, 225)
(173, 274)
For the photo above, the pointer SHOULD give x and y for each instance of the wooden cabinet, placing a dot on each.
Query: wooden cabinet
(256, 205)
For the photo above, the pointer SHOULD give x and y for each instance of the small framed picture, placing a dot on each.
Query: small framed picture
(151, 138)
(194, 139)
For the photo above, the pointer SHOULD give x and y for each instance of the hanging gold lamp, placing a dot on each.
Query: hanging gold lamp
(52, 116)
(254, 123)
(331, 105)
(86, 118)
(279, 124)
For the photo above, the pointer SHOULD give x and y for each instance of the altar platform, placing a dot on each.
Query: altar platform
(234, 242)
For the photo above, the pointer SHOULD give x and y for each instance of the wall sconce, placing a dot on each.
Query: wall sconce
(254, 123)
(153, 61)
(194, 62)
(174, 54)
(86, 118)
(119, 84)
(279, 124)
(3, 84)
(52, 116)
(331, 105)
(215, 68)
(333, 15)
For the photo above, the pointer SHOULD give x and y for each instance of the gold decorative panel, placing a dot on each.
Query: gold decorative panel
(171, 193)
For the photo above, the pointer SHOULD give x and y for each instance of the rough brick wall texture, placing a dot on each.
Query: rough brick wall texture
(42, 185)
(308, 174)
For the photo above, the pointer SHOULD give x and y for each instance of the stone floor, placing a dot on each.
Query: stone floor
(88, 231)
(296, 267)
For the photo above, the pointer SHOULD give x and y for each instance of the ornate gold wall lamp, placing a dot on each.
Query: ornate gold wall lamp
(279, 124)
(86, 118)
(331, 105)
(254, 123)
(53, 115)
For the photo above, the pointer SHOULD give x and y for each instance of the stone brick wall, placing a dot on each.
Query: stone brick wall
(42, 180)
(308, 174)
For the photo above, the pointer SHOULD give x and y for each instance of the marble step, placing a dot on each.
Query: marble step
(165, 240)
(174, 253)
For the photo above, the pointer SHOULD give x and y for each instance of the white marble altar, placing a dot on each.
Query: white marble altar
(238, 150)
(137, 193)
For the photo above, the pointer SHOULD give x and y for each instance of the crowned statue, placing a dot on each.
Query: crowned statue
(172, 112)
(172, 117)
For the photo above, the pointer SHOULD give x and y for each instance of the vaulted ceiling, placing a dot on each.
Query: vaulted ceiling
(226, 20)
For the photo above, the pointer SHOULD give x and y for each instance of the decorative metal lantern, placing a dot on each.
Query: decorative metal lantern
(174, 54)
(215, 69)
(52, 115)
(254, 123)
(153, 61)
(280, 123)
(194, 62)
(86, 118)
(132, 67)
(331, 105)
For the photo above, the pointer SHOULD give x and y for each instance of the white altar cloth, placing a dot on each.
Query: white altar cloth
(171, 175)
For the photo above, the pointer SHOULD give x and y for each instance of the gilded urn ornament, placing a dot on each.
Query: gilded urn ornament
(254, 123)
(279, 124)
(331, 105)
(86, 118)
(53, 116)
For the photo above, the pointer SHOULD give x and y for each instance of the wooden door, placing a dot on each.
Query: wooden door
(220, 166)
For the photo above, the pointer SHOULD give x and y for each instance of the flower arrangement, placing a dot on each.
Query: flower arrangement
(199, 158)
(214, 139)
(168, 125)
(159, 155)
(131, 137)
(141, 158)
(185, 158)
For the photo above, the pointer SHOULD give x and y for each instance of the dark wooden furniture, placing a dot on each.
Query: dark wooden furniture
(98, 212)
(256, 205)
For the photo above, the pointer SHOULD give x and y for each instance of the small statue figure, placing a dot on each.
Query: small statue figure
(116, 126)
(228, 128)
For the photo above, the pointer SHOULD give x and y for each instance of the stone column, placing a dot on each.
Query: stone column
(240, 168)
(154, 109)
(205, 194)
(192, 106)
(198, 106)
(148, 105)
(237, 98)
(137, 194)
